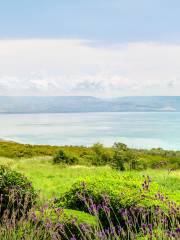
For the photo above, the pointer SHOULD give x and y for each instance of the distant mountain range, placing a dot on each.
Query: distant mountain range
(61, 104)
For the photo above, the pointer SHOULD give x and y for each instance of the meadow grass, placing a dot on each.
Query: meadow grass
(54, 180)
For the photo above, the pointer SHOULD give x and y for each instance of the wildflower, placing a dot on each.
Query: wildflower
(74, 221)
(55, 236)
(144, 226)
(60, 227)
(73, 238)
(112, 231)
(123, 212)
(48, 224)
(33, 216)
(106, 209)
(101, 235)
(106, 199)
(58, 211)
(83, 227)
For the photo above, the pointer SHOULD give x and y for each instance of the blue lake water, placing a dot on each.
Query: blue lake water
(140, 130)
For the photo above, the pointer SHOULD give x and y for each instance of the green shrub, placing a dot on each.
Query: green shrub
(70, 221)
(123, 193)
(119, 156)
(67, 215)
(73, 220)
(124, 158)
(16, 193)
(65, 158)
(101, 155)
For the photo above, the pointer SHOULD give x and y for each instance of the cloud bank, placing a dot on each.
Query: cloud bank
(79, 67)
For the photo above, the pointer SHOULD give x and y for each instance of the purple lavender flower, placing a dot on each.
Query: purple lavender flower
(33, 216)
(74, 220)
(73, 238)
(106, 209)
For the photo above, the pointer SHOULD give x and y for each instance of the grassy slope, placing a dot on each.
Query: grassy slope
(53, 180)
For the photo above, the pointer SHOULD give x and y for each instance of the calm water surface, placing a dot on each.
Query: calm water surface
(141, 130)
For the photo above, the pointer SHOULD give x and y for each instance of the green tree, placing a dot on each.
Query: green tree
(102, 155)
(123, 156)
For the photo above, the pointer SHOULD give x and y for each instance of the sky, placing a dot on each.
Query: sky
(100, 48)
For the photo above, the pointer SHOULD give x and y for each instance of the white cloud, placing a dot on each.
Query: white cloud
(75, 67)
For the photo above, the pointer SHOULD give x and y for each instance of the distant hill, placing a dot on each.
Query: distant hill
(61, 104)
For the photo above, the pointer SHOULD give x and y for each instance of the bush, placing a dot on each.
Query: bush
(101, 156)
(16, 193)
(75, 221)
(70, 222)
(67, 215)
(124, 158)
(65, 158)
(122, 192)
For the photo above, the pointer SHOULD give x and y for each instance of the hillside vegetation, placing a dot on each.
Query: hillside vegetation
(97, 155)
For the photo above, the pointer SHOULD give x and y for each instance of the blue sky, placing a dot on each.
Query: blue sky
(83, 47)
(103, 20)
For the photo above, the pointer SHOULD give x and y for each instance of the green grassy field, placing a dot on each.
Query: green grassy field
(54, 180)
(58, 187)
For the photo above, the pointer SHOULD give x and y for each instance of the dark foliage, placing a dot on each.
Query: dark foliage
(65, 158)
(124, 157)
(17, 195)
